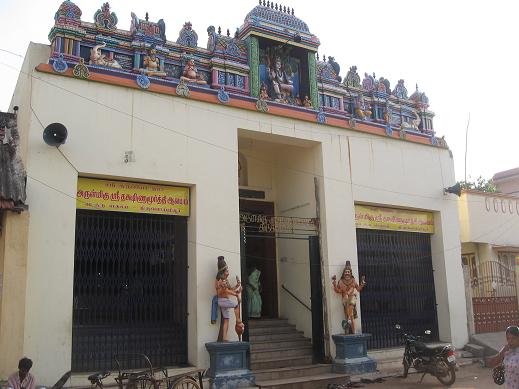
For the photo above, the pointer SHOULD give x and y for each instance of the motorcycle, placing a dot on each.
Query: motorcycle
(438, 361)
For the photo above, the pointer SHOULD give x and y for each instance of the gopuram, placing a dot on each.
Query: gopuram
(270, 63)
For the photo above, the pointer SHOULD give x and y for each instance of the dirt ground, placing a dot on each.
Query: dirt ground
(472, 376)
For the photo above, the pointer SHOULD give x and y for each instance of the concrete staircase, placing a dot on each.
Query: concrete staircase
(281, 358)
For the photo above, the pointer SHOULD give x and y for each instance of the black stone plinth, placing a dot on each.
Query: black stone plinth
(229, 365)
(351, 355)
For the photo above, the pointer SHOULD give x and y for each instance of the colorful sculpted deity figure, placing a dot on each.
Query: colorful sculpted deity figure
(152, 64)
(212, 38)
(413, 124)
(98, 58)
(307, 103)
(369, 82)
(347, 287)
(191, 74)
(253, 287)
(362, 110)
(223, 300)
(387, 114)
(336, 68)
(134, 24)
(383, 85)
(400, 90)
(352, 78)
(104, 18)
(264, 95)
(281, 82)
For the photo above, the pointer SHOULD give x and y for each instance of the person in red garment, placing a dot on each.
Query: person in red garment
(22, 379)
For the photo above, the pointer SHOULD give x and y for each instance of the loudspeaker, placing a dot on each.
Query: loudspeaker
(455, 189)
(55, 134)
(296, 38)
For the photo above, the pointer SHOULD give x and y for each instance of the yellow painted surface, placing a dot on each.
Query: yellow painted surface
(136, 197)
(13, 257)
(380, 218)
(489, 218)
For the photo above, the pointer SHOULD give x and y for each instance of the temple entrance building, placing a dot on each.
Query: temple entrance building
(149, 155)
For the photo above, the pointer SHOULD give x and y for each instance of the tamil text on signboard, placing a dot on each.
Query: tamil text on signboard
(105, 195)
(379, 218)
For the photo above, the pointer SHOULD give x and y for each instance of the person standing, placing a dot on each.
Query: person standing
(509, 356)
(22, 379)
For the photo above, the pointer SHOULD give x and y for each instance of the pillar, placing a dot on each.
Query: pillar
(312, 79)
(254, 66)
(13, 269)
(137, 61)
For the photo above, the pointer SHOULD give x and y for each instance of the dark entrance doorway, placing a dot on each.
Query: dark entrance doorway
(260, 253)
(259, 231)
(400, 285)
(130, 290)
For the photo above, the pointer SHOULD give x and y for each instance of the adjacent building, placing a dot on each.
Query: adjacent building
(490, 250)
(148, 157)
(507, 181)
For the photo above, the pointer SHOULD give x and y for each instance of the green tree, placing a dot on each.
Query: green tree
(480, 184)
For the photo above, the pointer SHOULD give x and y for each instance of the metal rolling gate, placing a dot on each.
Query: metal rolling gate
(400, 285)
(130, 290)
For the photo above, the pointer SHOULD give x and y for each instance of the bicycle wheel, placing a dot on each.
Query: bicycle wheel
(186, 383)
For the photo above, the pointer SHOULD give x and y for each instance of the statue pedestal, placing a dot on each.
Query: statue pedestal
(229, 365)
(351, 356)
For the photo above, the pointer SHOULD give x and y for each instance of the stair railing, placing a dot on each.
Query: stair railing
(295, 297)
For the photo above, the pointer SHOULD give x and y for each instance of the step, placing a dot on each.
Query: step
(463, 354)
(390, 364)
(387, 353)
(274, 363)
(266, 322)
(281, 328)
(282, 352)
(291, 372)
(320, 381)
(475, 350)
(289, 334)
(280, 343)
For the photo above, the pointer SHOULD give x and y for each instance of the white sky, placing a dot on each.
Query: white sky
(462, 53)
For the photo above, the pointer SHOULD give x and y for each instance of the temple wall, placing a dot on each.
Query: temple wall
(191, 143)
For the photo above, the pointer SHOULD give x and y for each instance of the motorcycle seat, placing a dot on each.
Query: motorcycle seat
(428, 350)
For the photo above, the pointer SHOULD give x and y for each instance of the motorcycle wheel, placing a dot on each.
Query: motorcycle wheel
(406, 367)
(450, 377)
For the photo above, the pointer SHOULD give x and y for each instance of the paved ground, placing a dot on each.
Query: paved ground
(493, 340)
(467, 377)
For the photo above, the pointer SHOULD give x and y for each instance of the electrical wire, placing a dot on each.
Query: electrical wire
(227, 149)
(277, 164)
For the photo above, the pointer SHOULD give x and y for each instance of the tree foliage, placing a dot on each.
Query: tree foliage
(480, 184)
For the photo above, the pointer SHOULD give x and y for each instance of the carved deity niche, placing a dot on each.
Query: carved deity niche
(281, 70)
(243, 174)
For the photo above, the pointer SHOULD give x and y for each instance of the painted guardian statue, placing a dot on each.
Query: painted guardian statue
(347, 287)
(224, 302)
